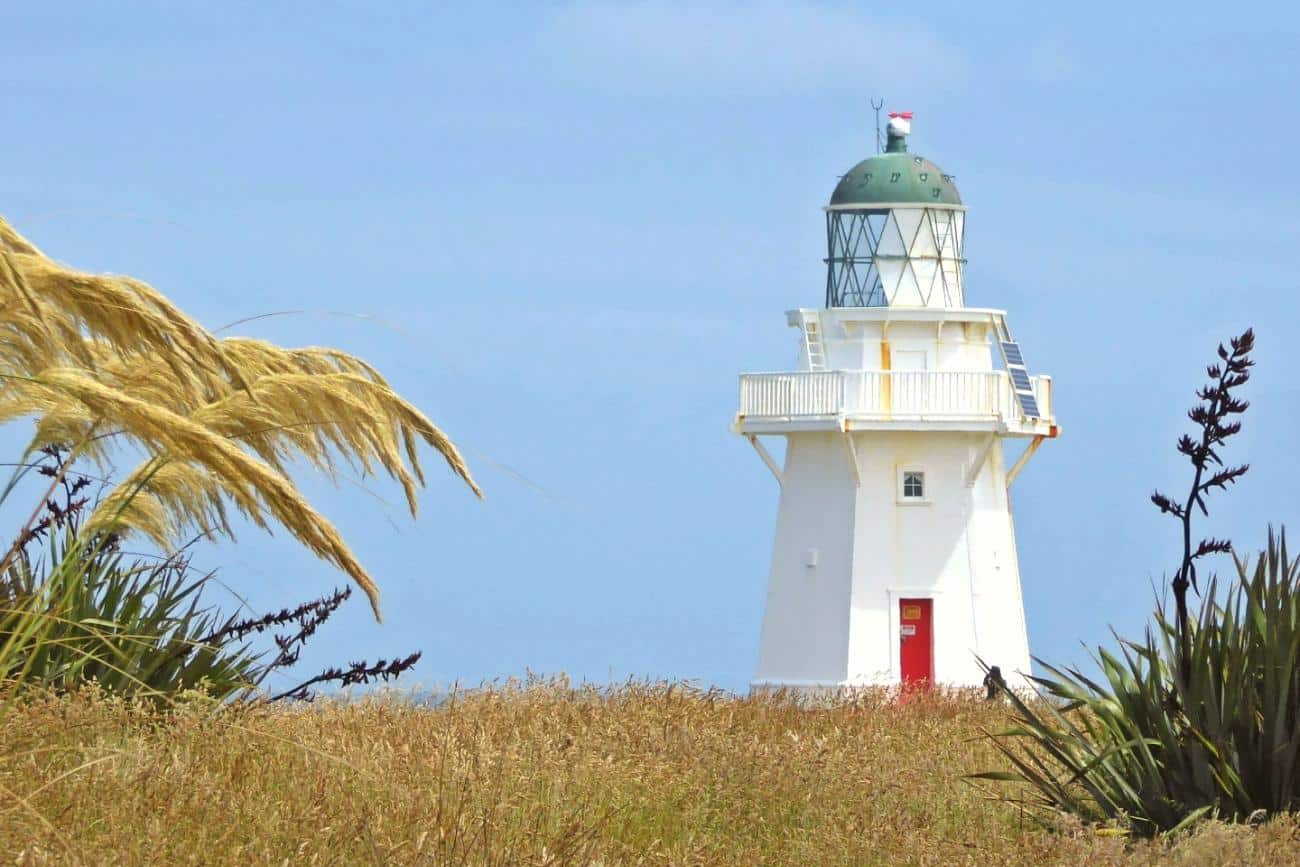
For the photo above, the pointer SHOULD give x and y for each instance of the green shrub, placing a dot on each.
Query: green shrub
(1142, 747)
(74, 609)
(82, 612)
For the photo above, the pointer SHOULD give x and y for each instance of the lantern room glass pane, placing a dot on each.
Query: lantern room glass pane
(945, 242)
(909, 221)
(927, 271)
(950, 275)
(924, 244)
(908, 294)
(891, 272)
(839, 238)
(876, 226)
(891, 240)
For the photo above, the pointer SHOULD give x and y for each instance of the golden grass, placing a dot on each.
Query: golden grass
(543, 774)
(103, 361)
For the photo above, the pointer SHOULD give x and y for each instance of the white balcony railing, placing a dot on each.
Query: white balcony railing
(783, 394)
(925, 394)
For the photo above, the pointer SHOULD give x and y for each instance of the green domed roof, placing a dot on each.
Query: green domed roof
(895, 177)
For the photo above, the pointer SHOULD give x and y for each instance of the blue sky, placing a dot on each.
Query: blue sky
(563, 229)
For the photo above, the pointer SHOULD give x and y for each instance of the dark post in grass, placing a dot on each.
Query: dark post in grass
(1211, 415)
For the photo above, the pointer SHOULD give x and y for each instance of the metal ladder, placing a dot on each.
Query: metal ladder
(812, 344)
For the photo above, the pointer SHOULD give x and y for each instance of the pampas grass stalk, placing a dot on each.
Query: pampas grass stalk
(219, 420)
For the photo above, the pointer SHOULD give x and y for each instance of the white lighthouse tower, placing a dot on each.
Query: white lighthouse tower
(895, 553)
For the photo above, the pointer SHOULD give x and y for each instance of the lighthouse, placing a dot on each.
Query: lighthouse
(894, 557)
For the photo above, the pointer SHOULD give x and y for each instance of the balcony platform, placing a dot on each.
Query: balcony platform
(849, 400)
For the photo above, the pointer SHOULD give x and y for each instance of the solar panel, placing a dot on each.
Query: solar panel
(1022, 384)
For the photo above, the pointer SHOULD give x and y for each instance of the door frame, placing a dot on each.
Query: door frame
(894, 595)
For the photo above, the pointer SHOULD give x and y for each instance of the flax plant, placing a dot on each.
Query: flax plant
(135, 628)
(1153, 746)
(109, 364)
(75, 609)
(1200, 717)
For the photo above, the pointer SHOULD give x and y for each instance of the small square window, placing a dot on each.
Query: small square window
(913, 485)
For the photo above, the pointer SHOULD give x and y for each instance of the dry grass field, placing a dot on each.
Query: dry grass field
(540, 774)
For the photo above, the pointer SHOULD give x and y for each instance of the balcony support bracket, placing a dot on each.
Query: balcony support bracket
(978, 466)
(766, 456)
(1024, 459)
(853, 459)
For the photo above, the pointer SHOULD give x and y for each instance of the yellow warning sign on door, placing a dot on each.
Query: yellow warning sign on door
(911, 612)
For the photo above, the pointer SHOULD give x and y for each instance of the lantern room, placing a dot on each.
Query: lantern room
(894, 229)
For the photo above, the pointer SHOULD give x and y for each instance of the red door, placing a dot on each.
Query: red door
(916, 640)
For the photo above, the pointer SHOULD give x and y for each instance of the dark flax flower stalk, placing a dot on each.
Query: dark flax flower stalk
(1213, 415)
(356, 672)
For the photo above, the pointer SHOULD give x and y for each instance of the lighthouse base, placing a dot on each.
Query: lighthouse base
(894, 563)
